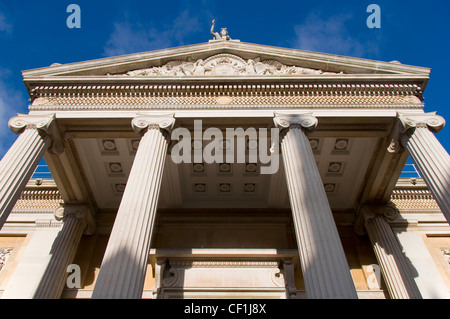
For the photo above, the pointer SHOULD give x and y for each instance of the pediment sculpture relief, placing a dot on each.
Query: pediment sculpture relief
(225, 64)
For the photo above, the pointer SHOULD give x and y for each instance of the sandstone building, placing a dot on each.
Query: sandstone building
(323, 214)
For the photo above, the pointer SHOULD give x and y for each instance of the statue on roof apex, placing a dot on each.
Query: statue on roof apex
(223, 33)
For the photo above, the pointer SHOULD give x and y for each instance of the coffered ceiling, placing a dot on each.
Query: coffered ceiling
(343, 164)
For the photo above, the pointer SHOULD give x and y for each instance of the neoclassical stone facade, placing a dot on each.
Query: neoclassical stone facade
(290, 188)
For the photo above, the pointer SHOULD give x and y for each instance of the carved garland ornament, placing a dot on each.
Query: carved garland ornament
(225, 64)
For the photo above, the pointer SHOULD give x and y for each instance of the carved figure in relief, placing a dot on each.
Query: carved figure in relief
(175, 68)
(298, 70)
(250, 68)
(139, 72)
(200, 68)
(268, 67)
(223, 33)
(226, 64)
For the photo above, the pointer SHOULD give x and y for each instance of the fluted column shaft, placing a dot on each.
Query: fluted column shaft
(431, 159)
(122, 273)
(325, 269)
(77, 219)
(20, 162)
(393, 263)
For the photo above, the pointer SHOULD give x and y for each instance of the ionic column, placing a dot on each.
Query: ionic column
(431, 159)
(393, 263)
(325, 269)
(20, 162)
(77, 219)
(122, 272)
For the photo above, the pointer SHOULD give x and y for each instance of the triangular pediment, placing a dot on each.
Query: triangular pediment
(224, 59)
(241, 52)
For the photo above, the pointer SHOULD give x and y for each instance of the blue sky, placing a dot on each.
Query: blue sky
(34, 34)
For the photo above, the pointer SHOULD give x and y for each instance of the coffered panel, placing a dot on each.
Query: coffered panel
(342, 163)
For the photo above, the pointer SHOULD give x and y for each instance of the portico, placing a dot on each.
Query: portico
(334, 125)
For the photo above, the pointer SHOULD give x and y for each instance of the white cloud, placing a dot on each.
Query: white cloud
(127, 38)
(11, 101)
(331, 35)
(184, 25)
(5, 26)
(134, 37)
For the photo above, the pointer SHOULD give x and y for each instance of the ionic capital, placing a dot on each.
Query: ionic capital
(388, 211)
(433, 122)
(407, 123)
(305, 121)
(44, 124)
(41, 123)
(143, 122)
(81, 213)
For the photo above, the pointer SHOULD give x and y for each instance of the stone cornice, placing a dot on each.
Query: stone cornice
(411, 194)
(318, 88)
(40, 194)
(153, 105)
(328, 62)
(125, 97)
(411, 183)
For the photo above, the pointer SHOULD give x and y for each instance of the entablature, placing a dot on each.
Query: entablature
(255, 96)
